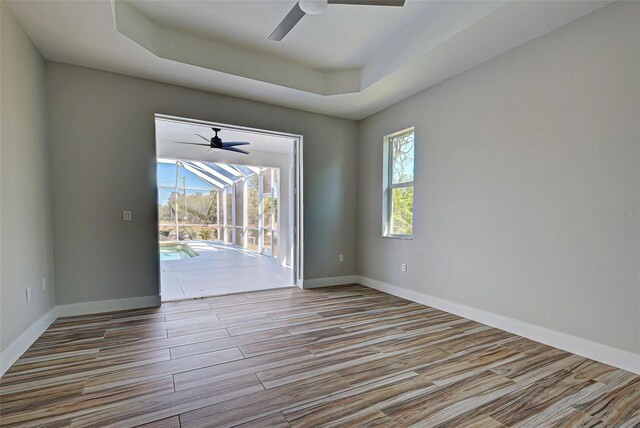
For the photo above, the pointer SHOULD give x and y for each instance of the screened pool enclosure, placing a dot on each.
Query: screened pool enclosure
(207, 201)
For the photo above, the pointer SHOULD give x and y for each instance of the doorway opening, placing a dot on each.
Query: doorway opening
(228, 222)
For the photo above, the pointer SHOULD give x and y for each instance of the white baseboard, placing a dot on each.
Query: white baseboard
(596, 351)
(99, 306)
(26, 339)
(606, 354)
(328, 282)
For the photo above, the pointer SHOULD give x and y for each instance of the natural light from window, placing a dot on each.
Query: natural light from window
(398, 185)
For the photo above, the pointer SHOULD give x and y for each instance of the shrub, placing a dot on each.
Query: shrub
(206, 234)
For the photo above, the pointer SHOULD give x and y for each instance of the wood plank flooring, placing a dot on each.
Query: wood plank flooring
(343, 356)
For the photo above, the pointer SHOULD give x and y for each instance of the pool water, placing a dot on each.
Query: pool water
(172, 255)
(175, 252)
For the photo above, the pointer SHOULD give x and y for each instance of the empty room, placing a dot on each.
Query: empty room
(319, 213)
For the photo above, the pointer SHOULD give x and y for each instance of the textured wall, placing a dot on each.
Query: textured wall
(25, 190)
(102, 135)
(519, 163)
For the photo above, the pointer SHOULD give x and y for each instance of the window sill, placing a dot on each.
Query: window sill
(401, 237)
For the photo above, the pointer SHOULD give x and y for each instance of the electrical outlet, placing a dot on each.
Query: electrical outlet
(44, 284)
(340, 258)
(404, 267)
(126, 215)
(28, 294)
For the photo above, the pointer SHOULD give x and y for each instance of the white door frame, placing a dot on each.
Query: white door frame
(296, 185)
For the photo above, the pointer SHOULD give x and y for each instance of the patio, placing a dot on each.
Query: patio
(219, 229)
(220, 268)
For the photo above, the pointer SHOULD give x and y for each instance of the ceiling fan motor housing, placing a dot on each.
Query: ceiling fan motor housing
(313, 7)
(216, 142)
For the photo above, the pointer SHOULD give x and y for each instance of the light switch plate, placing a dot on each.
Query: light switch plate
(126, 215)
(28, 294)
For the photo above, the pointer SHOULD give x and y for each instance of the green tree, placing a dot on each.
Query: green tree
(402, 214)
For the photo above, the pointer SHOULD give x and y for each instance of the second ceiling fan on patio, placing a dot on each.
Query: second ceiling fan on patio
(216, 143)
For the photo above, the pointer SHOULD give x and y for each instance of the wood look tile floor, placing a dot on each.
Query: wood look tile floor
(344, 356)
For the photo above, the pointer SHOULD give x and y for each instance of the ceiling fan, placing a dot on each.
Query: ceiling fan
(315, 7)
(216, 143)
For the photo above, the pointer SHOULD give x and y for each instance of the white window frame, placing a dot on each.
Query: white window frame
(388, 185)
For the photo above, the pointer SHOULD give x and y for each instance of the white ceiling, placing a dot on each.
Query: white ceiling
(329, 41)
(168, 132)
(350, 61)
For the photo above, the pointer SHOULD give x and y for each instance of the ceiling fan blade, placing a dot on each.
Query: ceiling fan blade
(370, 2)
(193, 144)
(289, 21)
(204, 138)
(233, 149)
(234, 143)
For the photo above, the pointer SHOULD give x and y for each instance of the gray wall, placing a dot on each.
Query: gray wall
(523, 166)
(103, 156)
(25, 200)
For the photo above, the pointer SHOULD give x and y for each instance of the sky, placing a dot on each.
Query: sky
(167, 177)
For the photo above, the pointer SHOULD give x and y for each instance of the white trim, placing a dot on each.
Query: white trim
(596, 351)
(245, 212)
(298, 210)
(388, 186)
(26, 339)
(96, 307)
(328, 282)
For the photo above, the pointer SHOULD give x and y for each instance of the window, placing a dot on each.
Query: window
(188, 203)
(269, 211)
(228, 214)
(252, 201)
(230, 203)
(397, 209)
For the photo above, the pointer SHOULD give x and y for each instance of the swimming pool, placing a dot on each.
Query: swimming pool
(175, 252)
